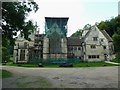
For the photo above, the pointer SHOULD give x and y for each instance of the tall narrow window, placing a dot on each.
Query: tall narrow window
(25, 44)
(18, 45)
(95, 38)
(22, 55)
(79, 48)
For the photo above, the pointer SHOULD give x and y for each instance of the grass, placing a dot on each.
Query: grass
(34, 82)
(93, 64)
(81, 64)
(5, 74)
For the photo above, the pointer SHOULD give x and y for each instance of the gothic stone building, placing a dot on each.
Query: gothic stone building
(94, 45)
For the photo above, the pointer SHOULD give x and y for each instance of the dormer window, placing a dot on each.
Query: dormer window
(95, 38)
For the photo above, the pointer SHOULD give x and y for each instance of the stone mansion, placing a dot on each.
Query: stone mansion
(93, 45)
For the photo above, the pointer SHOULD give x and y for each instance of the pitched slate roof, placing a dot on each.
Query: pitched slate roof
(102, 31)
(106, 35)
(74, 41)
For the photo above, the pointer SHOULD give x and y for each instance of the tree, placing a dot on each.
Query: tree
(116, 38)
(103, 25)
(14, 15)
(110, 25)
(5, 54)
(13, 20)
(77, 33)
(80, 31)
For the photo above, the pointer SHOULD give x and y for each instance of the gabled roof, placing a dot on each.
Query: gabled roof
(106, 35)
(86, 35)
(74, 41)
(102, 31)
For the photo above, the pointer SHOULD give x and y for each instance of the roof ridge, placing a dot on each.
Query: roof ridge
(106, 35)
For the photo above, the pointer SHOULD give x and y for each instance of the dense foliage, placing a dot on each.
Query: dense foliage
(14, 15)
(77, 33)
(111, 26)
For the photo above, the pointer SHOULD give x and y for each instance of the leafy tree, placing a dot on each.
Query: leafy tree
(14, 19)
(103, 25)
(80, 31)
(5, 54)
(110, 25)
(77, 33)
(87, 27)
(116, 38)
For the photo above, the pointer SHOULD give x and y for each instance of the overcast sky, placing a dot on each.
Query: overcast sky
(80, 12)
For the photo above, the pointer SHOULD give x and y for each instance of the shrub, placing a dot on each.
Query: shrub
(66, 65)
(5, 55)
(40, 65)
(117, 59)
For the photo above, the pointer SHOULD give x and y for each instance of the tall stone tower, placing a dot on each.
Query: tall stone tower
(55, 42)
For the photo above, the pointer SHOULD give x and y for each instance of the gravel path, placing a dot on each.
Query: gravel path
(112, 62)
(89, 77)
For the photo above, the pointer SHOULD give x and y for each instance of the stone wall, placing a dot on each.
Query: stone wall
(45, 48)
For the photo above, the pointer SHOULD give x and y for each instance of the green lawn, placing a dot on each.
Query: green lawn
(5, 74)
(81, 64)
(86, 64)
(93, 64)
(33, 82)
